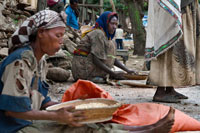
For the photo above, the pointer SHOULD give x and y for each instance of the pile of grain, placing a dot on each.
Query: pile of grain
(91, 105)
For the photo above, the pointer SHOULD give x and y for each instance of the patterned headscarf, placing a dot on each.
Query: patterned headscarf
(102, 23)
(46, 19)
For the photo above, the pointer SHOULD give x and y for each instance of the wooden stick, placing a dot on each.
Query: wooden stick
(135, 84)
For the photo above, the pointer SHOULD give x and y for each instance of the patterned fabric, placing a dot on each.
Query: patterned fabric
(180, 65)
(54, 127)
(46, 19)
(164, 27)
(21, 66)
(102, 23)
(80, 52)
(94, 43)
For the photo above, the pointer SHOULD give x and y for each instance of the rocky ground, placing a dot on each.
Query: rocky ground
(127, 94)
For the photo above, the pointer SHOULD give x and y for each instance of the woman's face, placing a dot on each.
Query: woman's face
(74, 5)
(112, 25)
(51, 40)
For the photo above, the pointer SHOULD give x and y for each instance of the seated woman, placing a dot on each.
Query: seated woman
(23, 90)
(95, 55)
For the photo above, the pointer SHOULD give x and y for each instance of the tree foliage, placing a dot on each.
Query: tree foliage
(107, 7)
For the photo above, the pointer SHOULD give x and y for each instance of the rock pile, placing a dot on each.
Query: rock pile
(12, 14)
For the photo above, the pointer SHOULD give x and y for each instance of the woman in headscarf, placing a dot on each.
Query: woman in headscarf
(173, 39)
(95, 55)
(23, 90)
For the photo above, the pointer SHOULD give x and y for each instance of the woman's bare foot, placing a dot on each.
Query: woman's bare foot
(172, 91)
(162, 126)
(166, 99)
(162, 96)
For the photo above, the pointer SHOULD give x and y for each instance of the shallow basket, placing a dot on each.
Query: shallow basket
(135, 77)
(93, 114)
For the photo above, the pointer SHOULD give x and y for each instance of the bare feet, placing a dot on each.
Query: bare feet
(172, 91)
(167, 98)
(162, 95)
(162, 126)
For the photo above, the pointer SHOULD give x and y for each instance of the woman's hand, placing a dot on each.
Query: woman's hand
(66, 115)
(118, 76)
(69, 116)
(132, 72)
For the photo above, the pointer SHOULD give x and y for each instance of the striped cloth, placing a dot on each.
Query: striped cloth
(162, 31)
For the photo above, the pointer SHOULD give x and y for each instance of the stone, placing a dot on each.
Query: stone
(3, 44)
(6, 12)
(58, 74)
(69, 45)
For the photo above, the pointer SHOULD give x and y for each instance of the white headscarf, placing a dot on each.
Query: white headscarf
(46, 19)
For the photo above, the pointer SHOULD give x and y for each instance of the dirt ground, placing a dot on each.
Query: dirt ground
(127, 94)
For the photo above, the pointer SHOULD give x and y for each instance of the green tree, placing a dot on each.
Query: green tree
(135, 9)
(41, 5)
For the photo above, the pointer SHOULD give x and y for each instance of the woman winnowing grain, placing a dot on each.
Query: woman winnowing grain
(95, 55)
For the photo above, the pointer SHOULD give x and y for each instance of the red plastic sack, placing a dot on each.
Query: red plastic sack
(84, 89)
(132, 114)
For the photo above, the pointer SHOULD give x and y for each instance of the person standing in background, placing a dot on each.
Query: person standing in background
(119, 37)
(72, 14)
(173, 39)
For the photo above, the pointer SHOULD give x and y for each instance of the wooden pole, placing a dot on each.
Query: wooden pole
(84, 12)
(101, 7)
(113, 5)
(90, 5)
(93, 16)
(41, 5)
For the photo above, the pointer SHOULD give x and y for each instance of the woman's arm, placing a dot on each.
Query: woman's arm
(50, 103)
(102, 66)
(64, 115)
(123, 67)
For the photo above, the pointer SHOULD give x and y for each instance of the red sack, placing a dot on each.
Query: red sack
(132, 114)
(84, 89)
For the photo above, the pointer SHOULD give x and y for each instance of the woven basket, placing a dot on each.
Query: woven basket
(93, 114)
(135, 77)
